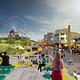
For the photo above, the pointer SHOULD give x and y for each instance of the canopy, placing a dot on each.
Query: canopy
(27, 53)
(39, 49)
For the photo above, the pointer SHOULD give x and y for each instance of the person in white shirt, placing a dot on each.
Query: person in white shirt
(74, 73)
(78, 76)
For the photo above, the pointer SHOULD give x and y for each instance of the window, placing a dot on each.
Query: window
(62, 38)
(62, 33)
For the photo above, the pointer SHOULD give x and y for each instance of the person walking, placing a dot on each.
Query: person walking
(57, 65)
(43, 62)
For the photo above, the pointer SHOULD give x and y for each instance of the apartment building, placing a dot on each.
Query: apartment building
(60, 37)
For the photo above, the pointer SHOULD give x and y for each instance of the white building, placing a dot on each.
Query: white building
(49, 37)
(60, 37)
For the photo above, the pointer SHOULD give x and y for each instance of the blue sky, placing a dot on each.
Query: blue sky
(39, 16)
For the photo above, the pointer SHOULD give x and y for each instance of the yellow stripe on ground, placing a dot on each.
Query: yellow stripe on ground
(66, 69)
(32, 52)
(27, 53)
(18, 64)
(65, 77)
(73, 78)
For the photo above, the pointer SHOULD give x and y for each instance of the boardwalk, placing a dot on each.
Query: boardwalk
(25, 74)
(29, 73)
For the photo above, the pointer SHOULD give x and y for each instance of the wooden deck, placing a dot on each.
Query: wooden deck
(29, 73)
(25, 74)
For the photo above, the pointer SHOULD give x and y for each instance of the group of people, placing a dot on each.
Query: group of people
(60, 49)
(57, 65)
(5, 59)
(75, 50)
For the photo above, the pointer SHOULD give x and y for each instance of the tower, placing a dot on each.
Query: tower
(69, 36)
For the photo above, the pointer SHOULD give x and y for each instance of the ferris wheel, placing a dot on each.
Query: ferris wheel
(17, 23)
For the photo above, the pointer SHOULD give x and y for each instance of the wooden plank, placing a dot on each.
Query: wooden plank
(26, 74)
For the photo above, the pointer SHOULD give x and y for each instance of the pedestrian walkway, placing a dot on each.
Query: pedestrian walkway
(25, 74)
(32, 74)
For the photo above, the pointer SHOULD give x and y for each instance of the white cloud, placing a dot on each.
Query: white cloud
(36, 36)
(63, 12)
(67, 12)
(38, 19)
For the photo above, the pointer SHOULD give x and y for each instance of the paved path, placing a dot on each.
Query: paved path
(25, 74)
(75, 63)
(28, 74)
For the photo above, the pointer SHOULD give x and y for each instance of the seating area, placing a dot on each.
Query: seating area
(5, 70)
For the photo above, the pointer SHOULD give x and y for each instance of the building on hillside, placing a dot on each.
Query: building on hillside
(61, 36)
(13, 33)
(49, 37)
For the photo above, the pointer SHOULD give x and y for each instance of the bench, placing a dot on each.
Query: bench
(5, 70)
(7, 67)
(47, 76)
(48, 68)
(2, 77)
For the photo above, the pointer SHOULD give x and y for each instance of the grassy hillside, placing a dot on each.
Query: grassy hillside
(8, 45)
